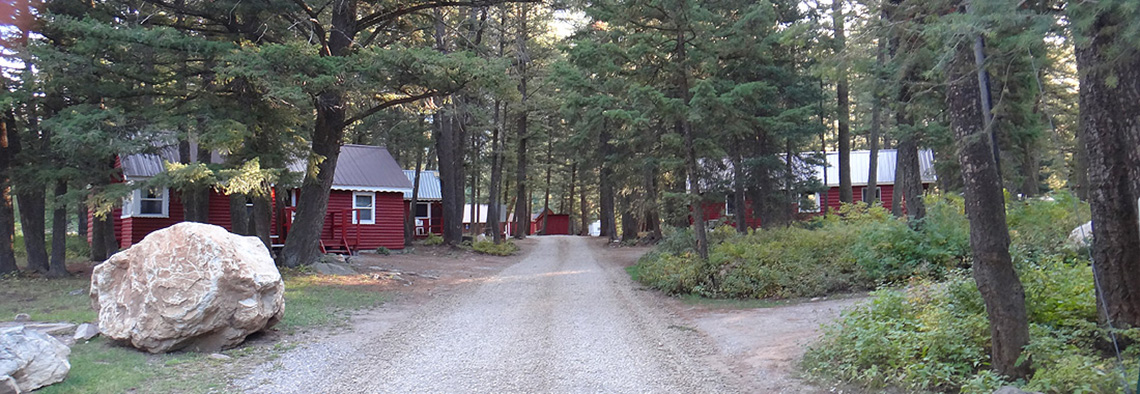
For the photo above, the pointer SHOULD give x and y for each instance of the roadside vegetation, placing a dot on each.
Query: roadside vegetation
(101, 366)
(925, 326)
(504, 248)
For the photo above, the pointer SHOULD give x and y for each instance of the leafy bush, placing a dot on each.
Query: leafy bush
(433, 240)
(384, 251)
(505, 248)
(935, 336)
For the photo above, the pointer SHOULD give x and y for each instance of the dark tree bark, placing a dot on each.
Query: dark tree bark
(239, 214)
(410, 216)
(98, 240)
(985, 207)
(302, 247)
(57, 267)
(1111, 132)
(843, 109)
(110, 237)
(261, 220)
(7, 212)
(522, 214)
(739, 210)
(584, 211)
(195, 200)
(494, 209)
(628, 219)
(606, 212)
(870, 196)
(651, 214)
(32, 210)
(449, 148)
(81, 216)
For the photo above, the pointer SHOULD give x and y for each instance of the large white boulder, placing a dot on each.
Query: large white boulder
(189, 286)
(1082, 235)
(30, 359)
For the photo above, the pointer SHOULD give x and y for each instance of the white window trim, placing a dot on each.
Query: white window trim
(878, 193)
(372, 218)
(428, 210)
(818, 205)
(132, 206)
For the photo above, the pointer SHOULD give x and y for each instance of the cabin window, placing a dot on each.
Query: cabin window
(878, 193)
(423, 210)
(809, 203)
(363, 205)
(148, 203)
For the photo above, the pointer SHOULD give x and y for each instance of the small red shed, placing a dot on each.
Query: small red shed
(550, 223)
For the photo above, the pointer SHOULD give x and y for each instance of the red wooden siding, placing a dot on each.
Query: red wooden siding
(388, 231)
(857, 193)
(555, 224)
(135, 228)
(433, 225)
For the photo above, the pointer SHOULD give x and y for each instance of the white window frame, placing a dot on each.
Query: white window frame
(132, 206)
(372, 218)
(428, 210)
(818, 205)
(878, 193)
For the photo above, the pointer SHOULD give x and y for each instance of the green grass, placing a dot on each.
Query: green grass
(320, 300)
(634, 273)
(46, 299)
(101, 366)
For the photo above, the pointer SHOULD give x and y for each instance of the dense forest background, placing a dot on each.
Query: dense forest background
(627, 112)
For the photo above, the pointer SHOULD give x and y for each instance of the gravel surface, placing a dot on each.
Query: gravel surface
(558, 321)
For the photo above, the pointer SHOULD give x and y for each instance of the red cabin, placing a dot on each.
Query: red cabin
(860, 164)
(365, 208)
(549, 223)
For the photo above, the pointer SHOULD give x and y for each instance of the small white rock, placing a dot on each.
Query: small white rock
(85, 331)
(219, 357)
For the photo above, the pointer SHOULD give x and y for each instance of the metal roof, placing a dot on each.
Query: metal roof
(146, 165)
(429, 185)
(358, 168)
(369, 168)
(861, 162)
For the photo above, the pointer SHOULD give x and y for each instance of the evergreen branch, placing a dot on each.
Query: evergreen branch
(383, 16)
(391, 103)
(318, 30)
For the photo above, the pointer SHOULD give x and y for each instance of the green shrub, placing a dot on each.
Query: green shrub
(505, 248)
(935, 336)
(384, 251)
(433, 239)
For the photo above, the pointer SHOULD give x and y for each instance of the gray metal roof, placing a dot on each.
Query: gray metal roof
(861, 162)
(146, 165)
(429, 186)
(359, 168)
(369, 168)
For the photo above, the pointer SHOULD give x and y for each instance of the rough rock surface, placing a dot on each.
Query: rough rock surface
(1082, 235)
(189, 286)
(31, 359)
(85, 331)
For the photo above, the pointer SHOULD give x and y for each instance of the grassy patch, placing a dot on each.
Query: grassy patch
(634, 272)
(505, 248)
(46, 299)
(322, 300)
(101, 366)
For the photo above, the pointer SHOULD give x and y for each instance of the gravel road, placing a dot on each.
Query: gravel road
(559, 321)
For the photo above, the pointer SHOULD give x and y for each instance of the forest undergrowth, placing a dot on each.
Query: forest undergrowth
(925, 326)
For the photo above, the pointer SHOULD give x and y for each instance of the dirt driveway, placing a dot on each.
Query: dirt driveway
(564, 318)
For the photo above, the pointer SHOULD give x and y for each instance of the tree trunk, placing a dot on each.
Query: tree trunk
(57, 267)
(303, 245)
(739, 210)
(628, 219)
(907, 170)
(449, 149)
(32, 211)
(605, 186)
(843, 108)
(98, 240)
(195, 199)
(494, 209)
(7, 212)
(81, 216)
(1110, 128)
(985, 207)
(870, 195)
(413, 205)
(261, 221)
(239, 214)
(584, 211)
(651, 217)
(522, 215)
